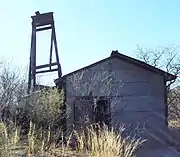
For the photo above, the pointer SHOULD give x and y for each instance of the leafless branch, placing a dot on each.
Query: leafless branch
(12, 88)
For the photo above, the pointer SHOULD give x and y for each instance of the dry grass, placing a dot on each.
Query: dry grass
(92, 142)
(174, 124)
(9, 140)
(105, 142)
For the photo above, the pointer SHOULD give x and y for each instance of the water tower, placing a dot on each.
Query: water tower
(42, 22)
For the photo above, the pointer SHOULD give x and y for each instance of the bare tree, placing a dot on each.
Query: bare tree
(44, 108)
(174, 103)
(167, 59)
(12, 89)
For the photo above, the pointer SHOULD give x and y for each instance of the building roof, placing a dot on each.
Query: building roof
(116, 54)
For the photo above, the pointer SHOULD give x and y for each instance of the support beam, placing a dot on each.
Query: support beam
(46, 65)
(43, 29)
(45, 71)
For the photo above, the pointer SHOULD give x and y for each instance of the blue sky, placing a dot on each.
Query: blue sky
(88, 31)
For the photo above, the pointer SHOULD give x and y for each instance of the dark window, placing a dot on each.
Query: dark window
(102, 111)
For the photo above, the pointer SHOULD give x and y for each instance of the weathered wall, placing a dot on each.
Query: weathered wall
(142, 93)
(137, 94)
(82, 83)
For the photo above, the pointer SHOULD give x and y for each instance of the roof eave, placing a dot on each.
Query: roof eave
(170, 77)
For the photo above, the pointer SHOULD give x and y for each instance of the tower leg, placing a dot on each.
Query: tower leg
(51, 48)
(56, 51)
(30, 63)
(34, 59)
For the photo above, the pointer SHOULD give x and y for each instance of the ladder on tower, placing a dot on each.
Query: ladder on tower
(42, 22)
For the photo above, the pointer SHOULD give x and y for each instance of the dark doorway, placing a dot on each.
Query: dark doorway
(88, 110)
